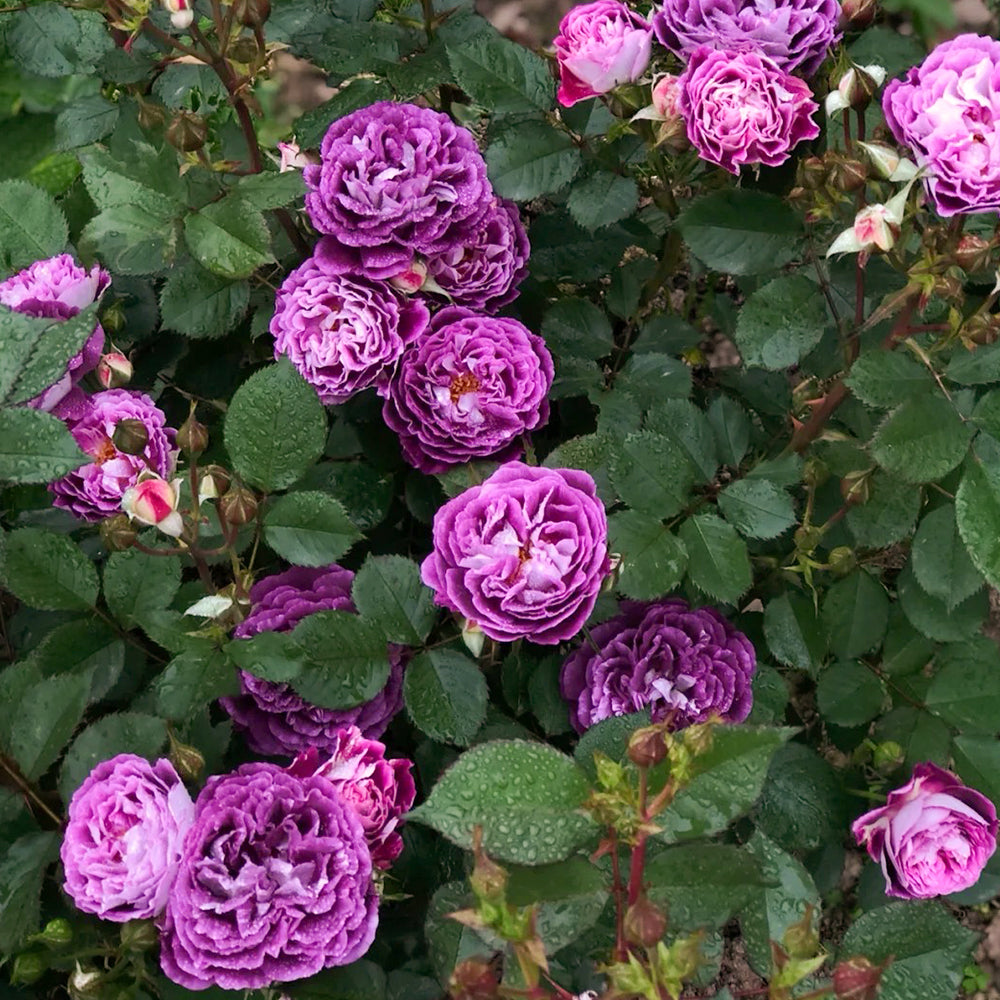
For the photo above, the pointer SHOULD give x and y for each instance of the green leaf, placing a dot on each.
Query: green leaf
(86, 646)
(309, 528)
(527, 797)
(702, 885)
(855, 612)
(922, 440)
(781, 323)
(130, 240)
(123, 732)
(53, 41)
(977, 510)
(905, 651)
(849, 694)
(718, 563)
(887, 378)
(591, 452)
(653, 559)
(684, 423)
(941, 563)
(136, 583)
(200, 304)
(920, 734)
(728, 779)
(48, 714)
(448, 941)
(740, 231)
(86, 120)
(563, 251)
(32, 225)
(609, 737)
(965, 690)
(928, 949)
(21, 873)
(361, 980)
(802, 805)
(651, 473)
(757, 508)
(978, 367)
(501, 75)
(275, 427)
(731, 429)
(446, 696)
(987, 413)
(146, 181)
(387, 590)
(48, 571)
(191, 681)
(529, 158)
(889, 513)
(794, 632)
(601, 199)
(229, 238)
(576, 328)
(652, 377)
(36, 447)
(271, 189)
(977, 760)
(780, 904)
(354, 94)
(933, 617)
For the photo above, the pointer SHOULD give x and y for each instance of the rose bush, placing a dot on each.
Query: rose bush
(498, 531)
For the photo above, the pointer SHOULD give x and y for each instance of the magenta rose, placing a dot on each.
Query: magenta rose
(599, 46)
(469, 388)
(947, 110)
(741, 108)
(932, 837)
(685, 664)
(274, 884)
(56, 288)
(95, 491)
(378, 790)
(523, 555)
(122, 844)
(795, 34)
(343, 333)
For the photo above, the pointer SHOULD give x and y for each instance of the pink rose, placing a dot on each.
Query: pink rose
(153, 501)
(599, 46)
(114, 370)
(378, 790)
(932, 837)
(666, 94)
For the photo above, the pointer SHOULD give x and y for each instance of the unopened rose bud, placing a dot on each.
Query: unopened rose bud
(887, 756)
(842, 560)
(114, 370)
(473, 979)
(292, 158)
(192, 436)
(813, 173)
(253, 12)
(855, 88)
(56, 934)
(28, 968)
(117, 533)
(187, 131)
(855, 487)
(153, 501)
(130, 436)
(973, 253)
(981, 328)
(238, 506)
(647, 746)
(150, 116)
(473, 637)
(857, 14)
(815, 472)
(666, 93)
(856, 979)
(187, 760)
(139, 935)
(949, 286)
(873, 227)
(411, 279)
(213, 481)
(84, 984)
(888, 164)
(244, 50)
(849, 175)
(672, 134)
(113, 317)
(645, 923)
(181, 13)
(488, 879)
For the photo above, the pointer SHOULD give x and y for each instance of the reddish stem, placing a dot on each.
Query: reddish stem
(621, 952)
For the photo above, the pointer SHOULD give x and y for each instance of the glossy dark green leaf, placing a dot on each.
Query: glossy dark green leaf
(781, 323)
(445, 694)
(653, 559)
(309, 528)
(388, 591)
(718, 562)
(855, 613)
(849, 694)
(794, 632)
(922, 440)
(48, 571)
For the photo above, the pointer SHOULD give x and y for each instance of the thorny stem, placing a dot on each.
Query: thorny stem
(428, 7)
(621, 952)
(27, 789)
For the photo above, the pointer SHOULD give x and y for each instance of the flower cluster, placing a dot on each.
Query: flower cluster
(685, 664)
(737, 97)
(266, 878)
(274, 719)
(407, 215)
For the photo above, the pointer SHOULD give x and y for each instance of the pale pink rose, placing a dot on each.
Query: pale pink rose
(599, 46)
(666, 92)
(114, 370)
(292, 158)
(153, 501)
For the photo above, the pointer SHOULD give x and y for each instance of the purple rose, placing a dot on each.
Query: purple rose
(94, 492)
(274, 719)
(741, 108)
(397, 175)
(274, 884)
(378, 790)
(599, 46)
(932, 837)
(484, 272)
(522, 555)
(122, 843)
(794, 34)
(468, 388)
(343, 333)
(946, 110)
(685, 664)
(56, 288)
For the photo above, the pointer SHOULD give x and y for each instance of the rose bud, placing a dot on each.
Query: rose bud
(213, 481)
(84, 984)
(153, 501)
(117, 533)
(130, 436)
(253, 12)
(114, 370)
(181, 13)
(187, 131)
(647, 746)
(888, 164)
(238, 506)
(192, 436)
(645, 923)
(858, 14)
(855, 88)
(411, 278)
(856, 979)
(473, 979)
(932, 837)
(666, 93)
(292, 158)
(139, 935)
(973, 253)
(28, 968)
(57, 933)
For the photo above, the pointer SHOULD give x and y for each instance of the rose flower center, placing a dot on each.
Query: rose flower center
(461, 384)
